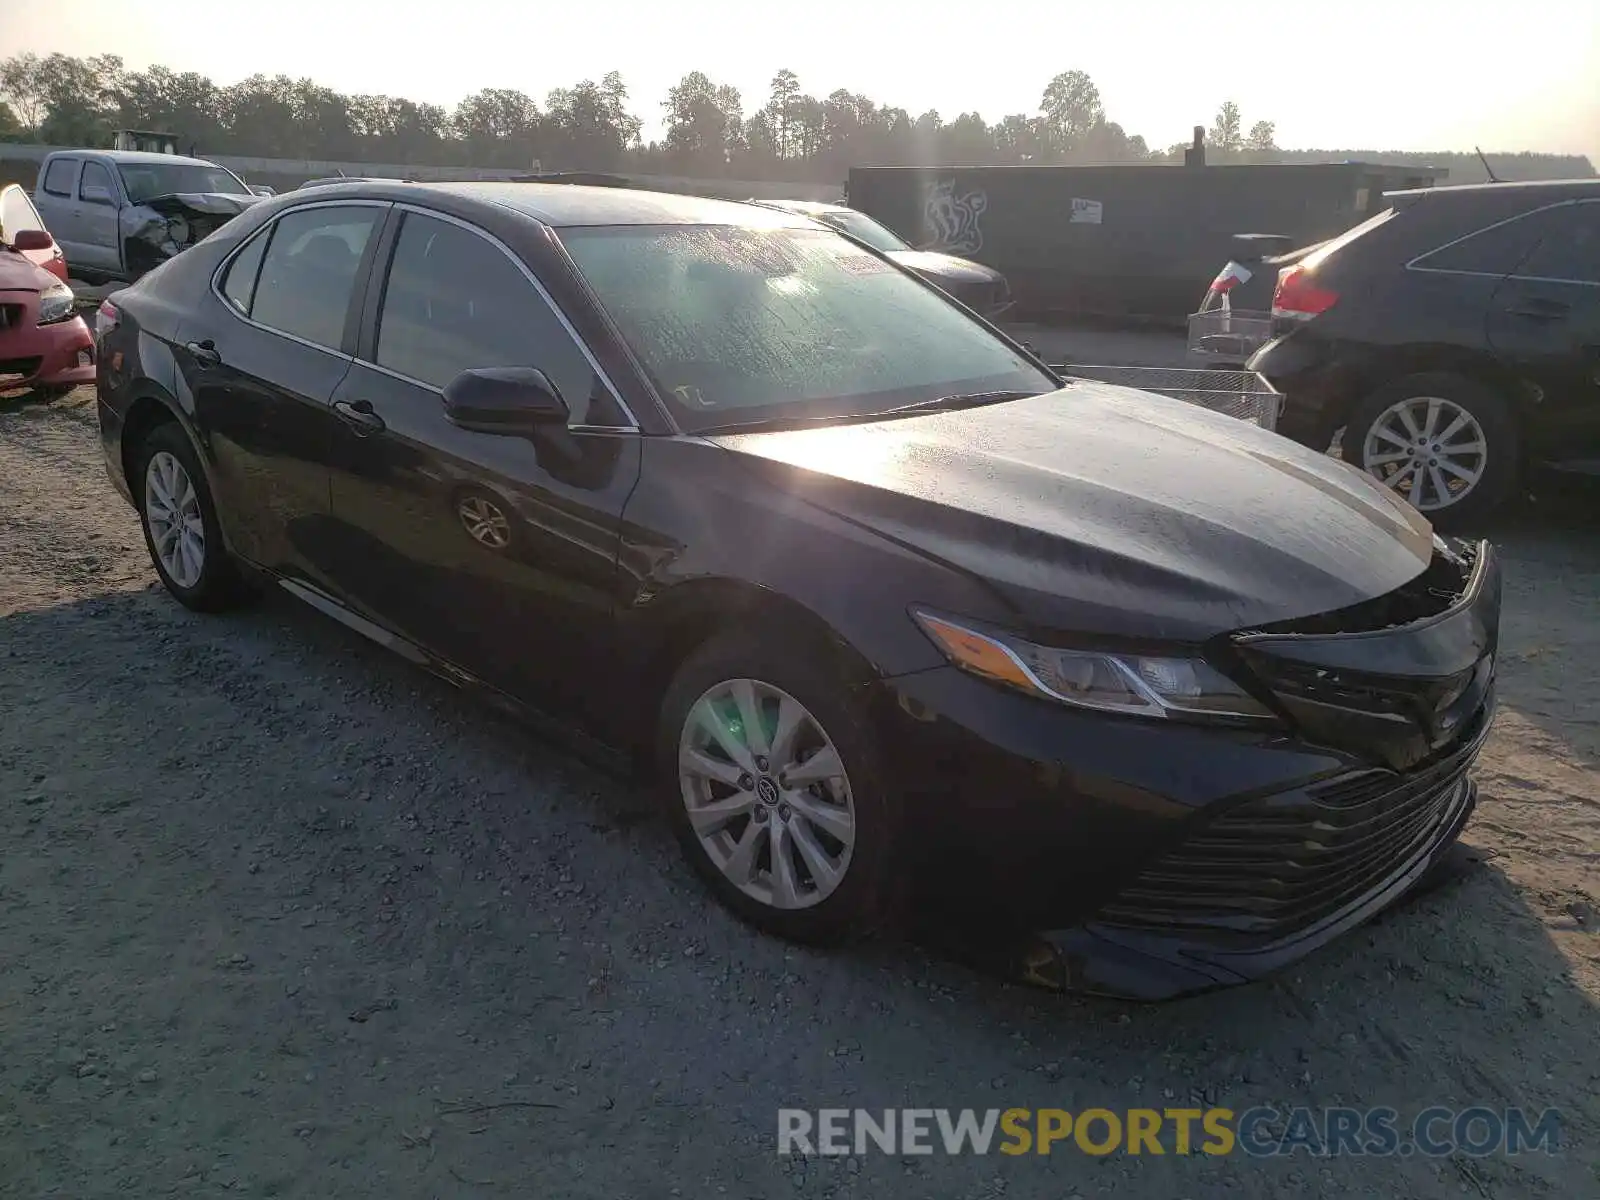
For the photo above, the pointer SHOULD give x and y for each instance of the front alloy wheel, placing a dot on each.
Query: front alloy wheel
(772, 776)
(766, 793)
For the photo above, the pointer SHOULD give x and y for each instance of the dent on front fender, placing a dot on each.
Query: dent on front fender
(699, 518)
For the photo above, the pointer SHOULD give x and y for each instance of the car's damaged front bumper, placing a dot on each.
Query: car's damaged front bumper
(1165, 859)
(56, 355)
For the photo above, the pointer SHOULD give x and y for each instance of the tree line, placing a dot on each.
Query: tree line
(63, 100)
(792, 135)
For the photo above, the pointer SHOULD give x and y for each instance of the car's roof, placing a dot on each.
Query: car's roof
(1538, 187)
(144, 157)
(569, 204)
(811, 208)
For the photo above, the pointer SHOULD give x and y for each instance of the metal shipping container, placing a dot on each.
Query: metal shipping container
(1118, 240)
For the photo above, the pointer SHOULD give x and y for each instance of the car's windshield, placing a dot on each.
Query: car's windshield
(740, 324)
(144, 181)
(864, 229)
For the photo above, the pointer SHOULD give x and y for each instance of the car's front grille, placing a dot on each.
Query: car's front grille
(1276, 866)
(1393, 679)
(11, 315)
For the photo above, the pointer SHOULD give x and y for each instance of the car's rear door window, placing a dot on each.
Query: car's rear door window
(309, 271)
(239, 284)
(455, 301)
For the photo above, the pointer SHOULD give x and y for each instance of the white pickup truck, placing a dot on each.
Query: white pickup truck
(120, 213)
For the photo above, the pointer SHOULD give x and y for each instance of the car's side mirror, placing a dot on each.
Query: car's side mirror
(32, 239)
(506, 400)
(94, 193)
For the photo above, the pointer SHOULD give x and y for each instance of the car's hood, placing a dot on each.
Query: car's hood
(1105, 510)
(943, 266)
(20, 273)
(228, 203)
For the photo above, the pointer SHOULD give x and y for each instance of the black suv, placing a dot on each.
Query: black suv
(1455, 337)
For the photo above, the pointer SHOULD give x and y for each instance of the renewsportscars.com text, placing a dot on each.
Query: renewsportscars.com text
(1256, 1132)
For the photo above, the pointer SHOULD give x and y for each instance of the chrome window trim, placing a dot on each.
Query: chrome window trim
(1522, 216)
(227, 261)
(549, 301)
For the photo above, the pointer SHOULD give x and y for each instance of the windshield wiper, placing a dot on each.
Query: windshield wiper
(939, 404)
(961, 400)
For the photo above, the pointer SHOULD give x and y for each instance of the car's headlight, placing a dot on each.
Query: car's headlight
(55, 303)
(1140, 684)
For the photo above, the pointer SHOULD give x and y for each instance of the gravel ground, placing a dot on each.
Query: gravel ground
(283, 916)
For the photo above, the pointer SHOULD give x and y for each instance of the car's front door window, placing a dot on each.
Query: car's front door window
(455, 301)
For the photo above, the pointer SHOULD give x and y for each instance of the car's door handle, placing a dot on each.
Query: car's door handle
(358, 414)
(1540, 310)
(205, 353)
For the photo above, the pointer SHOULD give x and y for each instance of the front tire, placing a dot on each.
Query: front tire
(773, 784)
(180, 524)
(1446, 444)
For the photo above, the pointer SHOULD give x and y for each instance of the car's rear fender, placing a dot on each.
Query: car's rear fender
(1327, 378)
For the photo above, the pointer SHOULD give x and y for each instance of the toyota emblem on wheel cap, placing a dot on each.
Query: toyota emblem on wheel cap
(766, 790)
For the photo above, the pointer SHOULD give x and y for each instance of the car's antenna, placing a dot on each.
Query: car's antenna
(1486, 166)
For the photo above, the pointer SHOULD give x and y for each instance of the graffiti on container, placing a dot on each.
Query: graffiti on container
(951, 218)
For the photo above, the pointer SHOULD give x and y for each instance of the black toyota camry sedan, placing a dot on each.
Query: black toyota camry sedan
(894, 619)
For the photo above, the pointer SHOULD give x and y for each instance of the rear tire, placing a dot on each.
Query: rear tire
(1389, 436)
(836, 830)
(180, 525)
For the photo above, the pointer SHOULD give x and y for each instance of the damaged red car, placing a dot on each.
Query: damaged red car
(44, 344)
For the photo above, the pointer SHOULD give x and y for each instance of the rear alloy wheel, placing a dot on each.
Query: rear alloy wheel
(772, 785)
(1445, 444)
(180, 524)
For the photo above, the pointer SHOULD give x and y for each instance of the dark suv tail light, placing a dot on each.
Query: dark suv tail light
(1298, 297)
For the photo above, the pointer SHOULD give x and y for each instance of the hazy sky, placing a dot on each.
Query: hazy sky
(1401, 74)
